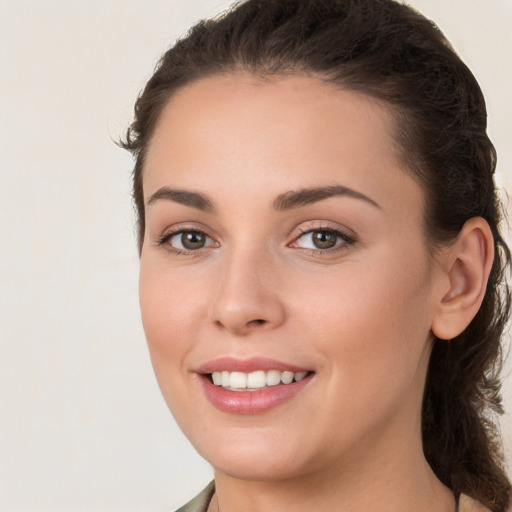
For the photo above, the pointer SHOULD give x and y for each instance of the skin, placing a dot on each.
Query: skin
(360, 315)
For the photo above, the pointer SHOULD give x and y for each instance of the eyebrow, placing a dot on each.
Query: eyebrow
(303, 197)
(287, 201)
(184, 197)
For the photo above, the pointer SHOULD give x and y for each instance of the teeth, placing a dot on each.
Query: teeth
(238, 380)
(255, 380)
(300, 376)
(287, 377)
(273, 378)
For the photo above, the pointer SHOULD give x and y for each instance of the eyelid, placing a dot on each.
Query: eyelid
(347, 236)
(169, 233)
(323, 225)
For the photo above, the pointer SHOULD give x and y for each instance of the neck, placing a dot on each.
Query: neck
(396, 480)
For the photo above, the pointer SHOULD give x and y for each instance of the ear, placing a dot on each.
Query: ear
(467, 264)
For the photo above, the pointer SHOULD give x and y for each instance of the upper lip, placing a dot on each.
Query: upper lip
(252, 364)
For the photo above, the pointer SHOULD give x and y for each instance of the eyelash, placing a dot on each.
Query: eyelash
(346, 240)
(165, 238)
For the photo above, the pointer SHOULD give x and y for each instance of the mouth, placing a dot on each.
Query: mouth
(254, 381)
(252, 386)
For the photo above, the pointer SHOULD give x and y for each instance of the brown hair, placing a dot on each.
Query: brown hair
(389, 51)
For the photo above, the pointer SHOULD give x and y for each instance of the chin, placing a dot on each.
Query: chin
(256, 469)
(253, 458)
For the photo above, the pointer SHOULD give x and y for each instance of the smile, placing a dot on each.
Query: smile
(244, 387)
(252, 386)
(254, 381)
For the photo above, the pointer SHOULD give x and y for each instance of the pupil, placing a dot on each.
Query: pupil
(324, 239)
(192, 240)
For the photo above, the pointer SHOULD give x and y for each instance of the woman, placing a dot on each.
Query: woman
(321, 260)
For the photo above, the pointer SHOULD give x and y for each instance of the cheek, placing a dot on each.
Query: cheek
(168, 308)
(169, 301)
(170, 319)
(372, 320)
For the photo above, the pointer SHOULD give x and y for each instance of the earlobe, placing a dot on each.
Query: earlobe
(467, 264)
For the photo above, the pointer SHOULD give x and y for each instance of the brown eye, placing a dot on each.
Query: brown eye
(324, 239)
(193, 240)
(187, 240)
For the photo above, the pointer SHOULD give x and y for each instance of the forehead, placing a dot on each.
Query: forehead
(293, 108)
(296, 130)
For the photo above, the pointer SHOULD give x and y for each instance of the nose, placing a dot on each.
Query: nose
(247, 298)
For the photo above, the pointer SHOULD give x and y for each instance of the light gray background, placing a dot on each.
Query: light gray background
(82, 423)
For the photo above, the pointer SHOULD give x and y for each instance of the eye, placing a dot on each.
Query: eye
(322, 239)
(186, 240)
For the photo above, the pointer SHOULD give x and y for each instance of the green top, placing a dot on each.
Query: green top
(202, 500)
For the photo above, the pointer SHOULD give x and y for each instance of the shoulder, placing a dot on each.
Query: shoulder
(467, 504)
(201, 501)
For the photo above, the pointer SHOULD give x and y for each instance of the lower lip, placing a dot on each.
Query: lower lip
(252, 402)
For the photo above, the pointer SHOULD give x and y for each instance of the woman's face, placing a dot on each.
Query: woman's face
(283, 236)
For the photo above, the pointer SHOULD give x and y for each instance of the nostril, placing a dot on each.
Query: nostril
(257, 321)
